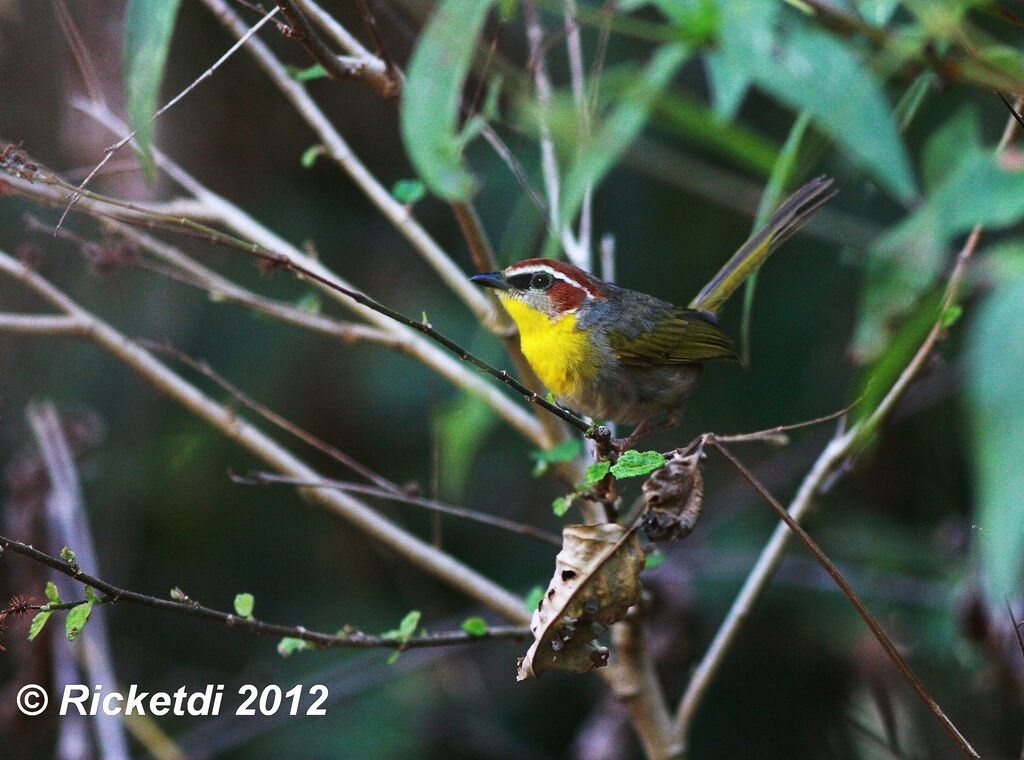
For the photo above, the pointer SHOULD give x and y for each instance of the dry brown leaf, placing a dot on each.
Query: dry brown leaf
(595, 583)
(674, 496)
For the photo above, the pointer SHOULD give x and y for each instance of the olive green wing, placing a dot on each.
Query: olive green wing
(684, 337)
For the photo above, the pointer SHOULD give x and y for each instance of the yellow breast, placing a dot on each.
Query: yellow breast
(560, 354)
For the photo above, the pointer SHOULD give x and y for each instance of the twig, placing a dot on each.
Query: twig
(523, 529)
(851, 595)
(222, 418)
(111, 594)
(384, 81)
(109, 152)
(272, 417)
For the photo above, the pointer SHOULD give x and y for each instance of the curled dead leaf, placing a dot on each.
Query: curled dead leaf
(674, 496)
(595, 583)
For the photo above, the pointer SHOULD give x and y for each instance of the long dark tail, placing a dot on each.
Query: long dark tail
(790, 217)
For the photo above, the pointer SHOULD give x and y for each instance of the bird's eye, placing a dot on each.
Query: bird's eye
(541, 281)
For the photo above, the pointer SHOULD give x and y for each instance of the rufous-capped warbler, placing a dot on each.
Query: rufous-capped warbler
(624, 356)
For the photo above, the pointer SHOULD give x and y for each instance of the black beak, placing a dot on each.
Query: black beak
(491, 280)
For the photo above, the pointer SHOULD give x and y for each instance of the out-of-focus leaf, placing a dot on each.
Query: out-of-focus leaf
(944, 149)
(67, 555)
(615, 133)
(729, 84)
(654, 559)
(244, 604)
(597, 471)
(533, 598)
(148, 25)
(561, 505)
(52, 595)
(995, 390)
(812, 71)
(907, 261)
(462, 425)
(633, 463)
(310, 155)
(316, 71)
(408, 191)
(878, 12)
(475, 626)
(403, 633)
(728, 74)
(566, 451)
(596, 581)
(433, 92)
(733, 141)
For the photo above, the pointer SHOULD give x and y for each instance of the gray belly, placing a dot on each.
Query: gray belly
(632, 394)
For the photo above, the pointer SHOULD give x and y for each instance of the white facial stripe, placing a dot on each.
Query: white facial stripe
(534, 268)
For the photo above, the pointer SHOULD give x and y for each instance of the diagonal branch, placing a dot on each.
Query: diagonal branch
(418, 552)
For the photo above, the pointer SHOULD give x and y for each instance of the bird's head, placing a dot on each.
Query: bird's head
(552, 288)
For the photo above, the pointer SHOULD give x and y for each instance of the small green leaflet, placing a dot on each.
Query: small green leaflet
(309, 303)
(288, 646)
(403, 633)
(654, 559)
(475, 626)
(408, 191)
(310, 155)
(67, 555)
(561, 505)
(597, 471)
(244, 604)
(51, 593)
(76, 620)
(632, 463)
(36, 626)
(951, 315)
(533, 598)
(566, 451)
(316, 71)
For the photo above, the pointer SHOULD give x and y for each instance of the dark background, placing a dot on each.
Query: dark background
(164, 512)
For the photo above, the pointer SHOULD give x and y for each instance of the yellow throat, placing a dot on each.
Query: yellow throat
(560, 354)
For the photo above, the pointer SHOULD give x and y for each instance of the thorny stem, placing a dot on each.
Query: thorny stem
(111, 594)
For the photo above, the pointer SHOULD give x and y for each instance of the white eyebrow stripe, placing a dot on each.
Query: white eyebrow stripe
(534, 268)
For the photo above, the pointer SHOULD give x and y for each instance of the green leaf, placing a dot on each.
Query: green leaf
(405, 629)
(951, 316)
(810, 70)
(597, 471)
(316, 71)
(288, 646)
(76, 619)
(52, 595)
(462, 425)
(408, 191)
(244, 604)
(633, 463)
(67, 555)
(310, 155)
(475, 626)
(36, 626)
(566, 451)
(617, 131)
(654, 559)
(91, 595)
(878, 12)
(432, 96)
(995, 387)
(561, 505)
(908, 260)
(533, 598)
(148, 25)
(309, 303)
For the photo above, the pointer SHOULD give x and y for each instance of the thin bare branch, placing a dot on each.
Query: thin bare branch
(111, 594)
(523, 529)
(225, 420)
